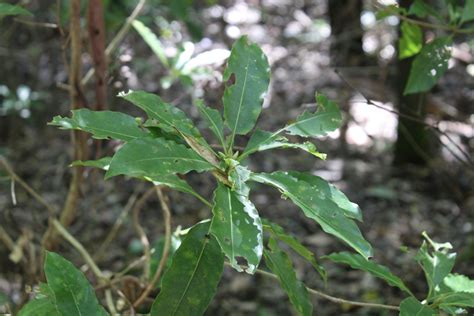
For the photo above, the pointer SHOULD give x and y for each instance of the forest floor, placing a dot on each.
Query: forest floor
(398, 204)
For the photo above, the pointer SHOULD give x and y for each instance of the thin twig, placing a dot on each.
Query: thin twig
(332, 298)
(164, 257)
(141, 232)
(468, 160)
(36, 24)
(454, 29)
(115, 229)
(118, 38)
(79, 247)
(25, 185)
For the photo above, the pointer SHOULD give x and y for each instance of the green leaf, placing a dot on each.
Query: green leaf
(152, 40)
(358, 262)
(169, 117)
(213, 119)
(411, 306)
(101, 124)
(243, 99)
(149, 157)
(421, 9)
(457, 283)
(72, 291)
(454, 299)
(280, 264)
(9, 9)
(389, 10)
(190, 283)
(39, 307)
(468, 11)
(411, 41)
(262, 140)
(326, 119)
(237, 227)
(172, 120)
(158, 253)
(351, 210)
(436, 264)
(317, 204)
(429, 65)
(277, 232)
(102, 163)
(174, 182)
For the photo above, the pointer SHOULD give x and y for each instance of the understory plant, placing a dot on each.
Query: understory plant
(167, 145)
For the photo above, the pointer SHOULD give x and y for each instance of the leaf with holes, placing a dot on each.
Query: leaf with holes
(317, 204)
(237, 227)
(190, 283)
(102, 124)
(262, 140)
(243, 99)
(326, 119)
(356, 261)
(429, 65)
(149, 157)
(436, 264)
(280, 264)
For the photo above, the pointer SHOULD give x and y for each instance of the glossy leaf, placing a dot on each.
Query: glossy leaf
(262, 140)
(155, 157)
(72, 291)
(411, 41)
(152, 40)
(430, 64)
(316, 204)
(102, 124)
(237, 227)
(9, 9)
(213, 119)
(169, 117)
(280, 264)
(358, 262)
(411, 306)
(243, 99)
(454, 299)
(102, 163)
(174, 182)
(330, 191)
(278, 232)
(326, 119)
(468, 11)
(172, 120)
(436, 264)
(190, 283)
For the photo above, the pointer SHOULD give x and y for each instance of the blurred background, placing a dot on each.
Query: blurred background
(406, 177)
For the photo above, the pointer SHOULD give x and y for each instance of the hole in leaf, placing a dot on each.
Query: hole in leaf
(231, 80)
(241, 261)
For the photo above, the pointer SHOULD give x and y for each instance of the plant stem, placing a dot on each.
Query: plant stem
(329, 297)
(118, 37)
(164, 257)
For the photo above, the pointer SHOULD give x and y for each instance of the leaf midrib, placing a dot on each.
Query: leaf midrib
(191, 278)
